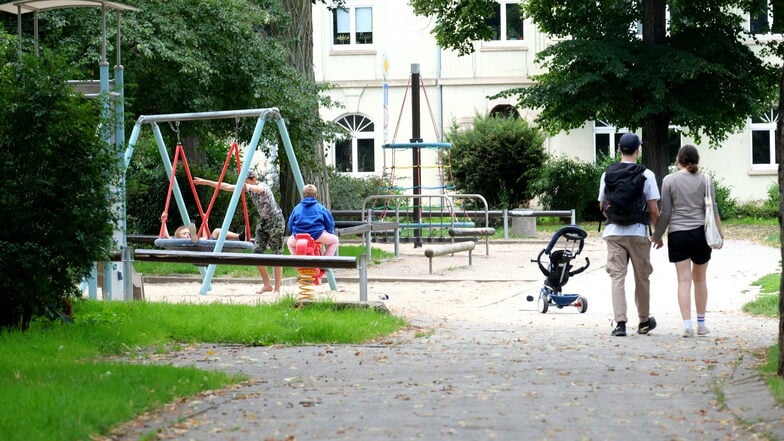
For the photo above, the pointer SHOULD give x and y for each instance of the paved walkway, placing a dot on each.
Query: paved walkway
(488, 365)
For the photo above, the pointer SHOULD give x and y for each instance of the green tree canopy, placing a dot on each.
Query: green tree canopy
(194, 56)
(697, 73)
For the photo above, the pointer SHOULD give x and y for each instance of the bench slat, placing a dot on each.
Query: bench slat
(449, 248)
(489, 231)
(245, 259)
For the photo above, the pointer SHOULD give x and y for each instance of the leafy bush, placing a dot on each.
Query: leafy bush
(348, 193)
(767, 209)
(568, 184)
(498, 158)
(56, 210)
(728, 206)
(773, 203)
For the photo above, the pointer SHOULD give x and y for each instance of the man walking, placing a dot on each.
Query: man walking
(628, 196)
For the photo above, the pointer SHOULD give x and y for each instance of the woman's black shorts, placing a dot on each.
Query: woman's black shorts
(691, 244)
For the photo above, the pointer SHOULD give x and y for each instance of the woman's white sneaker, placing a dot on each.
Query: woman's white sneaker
(687, 333)
(702, 330)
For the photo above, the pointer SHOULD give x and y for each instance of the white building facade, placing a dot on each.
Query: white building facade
(366, 52)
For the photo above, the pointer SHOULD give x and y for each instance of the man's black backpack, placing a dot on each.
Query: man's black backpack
(624, 197)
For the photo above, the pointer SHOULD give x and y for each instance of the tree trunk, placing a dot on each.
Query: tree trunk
(299, 35)
(780, 159)
(655, 131)
(655, 135)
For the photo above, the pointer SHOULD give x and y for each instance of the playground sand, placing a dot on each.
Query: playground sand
(479, 361)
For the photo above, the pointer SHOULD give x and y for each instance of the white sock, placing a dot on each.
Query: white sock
(687, 324)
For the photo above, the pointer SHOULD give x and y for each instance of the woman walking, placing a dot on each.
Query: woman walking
(683, 217)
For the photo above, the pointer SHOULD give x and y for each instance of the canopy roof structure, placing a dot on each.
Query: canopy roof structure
(22, 7)
(25, 6)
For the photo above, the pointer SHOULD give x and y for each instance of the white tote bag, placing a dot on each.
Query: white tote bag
(712, 235)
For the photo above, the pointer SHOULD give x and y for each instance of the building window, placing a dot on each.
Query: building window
(763, 139)
(507, 22)
(352, 25)
(356, 153)
(674, 142)
(761, 20)
(605, 138)
(505, 111)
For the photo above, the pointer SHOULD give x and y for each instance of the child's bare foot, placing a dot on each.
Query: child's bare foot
(265, 289)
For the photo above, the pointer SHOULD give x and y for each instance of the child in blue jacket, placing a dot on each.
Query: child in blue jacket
(310, 217)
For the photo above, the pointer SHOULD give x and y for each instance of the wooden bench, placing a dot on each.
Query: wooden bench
(450, 248)
(474, 232)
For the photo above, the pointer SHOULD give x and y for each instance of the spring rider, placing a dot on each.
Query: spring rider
(307, 277)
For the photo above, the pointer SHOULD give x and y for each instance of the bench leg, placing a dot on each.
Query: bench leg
(430, 264)
(469, 257)
(363, 280)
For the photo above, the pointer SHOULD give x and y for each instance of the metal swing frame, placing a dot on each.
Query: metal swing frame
(261, 115)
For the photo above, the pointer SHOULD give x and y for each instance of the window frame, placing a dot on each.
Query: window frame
(767, 34)
(604, 128)
(503, 40)
(351, 10)
(767, 123)
(356, 125)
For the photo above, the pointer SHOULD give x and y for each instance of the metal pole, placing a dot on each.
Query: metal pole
(416, 153)
(363, 280)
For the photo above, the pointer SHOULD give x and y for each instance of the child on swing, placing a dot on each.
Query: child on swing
(189, 232)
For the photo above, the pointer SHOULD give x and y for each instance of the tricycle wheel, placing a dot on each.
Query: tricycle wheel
(583, 304)
(544, 303)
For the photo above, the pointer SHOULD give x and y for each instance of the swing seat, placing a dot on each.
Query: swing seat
(202, 244)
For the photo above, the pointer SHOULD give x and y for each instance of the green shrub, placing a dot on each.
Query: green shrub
(728, 206)
(568, 184)
(55, 205)
(498, 158)
(766, 209)
(348, 193)
(771, 205)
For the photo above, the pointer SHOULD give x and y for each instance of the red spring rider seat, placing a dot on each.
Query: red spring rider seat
(306, 246)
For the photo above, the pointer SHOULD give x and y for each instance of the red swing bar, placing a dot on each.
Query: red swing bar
(204, 230)
(234, 152)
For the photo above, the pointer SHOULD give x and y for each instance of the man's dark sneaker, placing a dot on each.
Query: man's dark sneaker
(647, 326)
(620, 330)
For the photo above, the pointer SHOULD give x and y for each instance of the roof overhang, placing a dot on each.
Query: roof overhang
(25, 6)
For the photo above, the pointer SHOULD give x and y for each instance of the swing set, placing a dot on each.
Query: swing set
(220, 243)
(202, 240)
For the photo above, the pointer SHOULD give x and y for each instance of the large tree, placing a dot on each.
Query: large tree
(297, 34)
(193, 56)
(696, 73)
(775, 48)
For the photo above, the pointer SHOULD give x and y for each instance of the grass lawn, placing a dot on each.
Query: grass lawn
(767, 304)
(66, 382)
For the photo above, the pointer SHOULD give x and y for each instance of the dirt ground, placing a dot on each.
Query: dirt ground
(502, 274)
